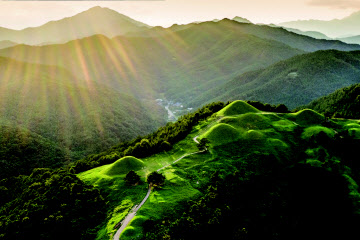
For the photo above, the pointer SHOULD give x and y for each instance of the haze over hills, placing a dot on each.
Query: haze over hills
(336, 28)
(96, 20)
(241, 20)
(351, 40)
(79, 117)
(143, 66)
(6, 44)
(313, 34)
(178, 62)
(293, 82)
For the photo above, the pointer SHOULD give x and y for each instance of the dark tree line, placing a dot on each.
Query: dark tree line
(343, 103)
(49, 204)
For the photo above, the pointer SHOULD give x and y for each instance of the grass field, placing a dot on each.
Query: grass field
(241, 137)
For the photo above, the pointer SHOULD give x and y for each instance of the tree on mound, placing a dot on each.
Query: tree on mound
(132, 178)
(156, 179)
(203, 145)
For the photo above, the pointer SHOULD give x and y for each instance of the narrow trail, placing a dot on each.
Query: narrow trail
(131, 215)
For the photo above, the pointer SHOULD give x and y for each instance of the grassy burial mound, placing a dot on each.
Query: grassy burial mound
(314, 131)
(124, 165)
(307, 117)
(236, 108)
(221, 134)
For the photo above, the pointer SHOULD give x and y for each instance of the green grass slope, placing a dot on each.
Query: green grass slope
(125, 165)
(222, 134)
(307, 117)
(254, 145)
(236, 108)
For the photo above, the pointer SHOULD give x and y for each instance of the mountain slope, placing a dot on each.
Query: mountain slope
(294, 82)
(252, 179)
(278, 34)
(313, 34)
(344, 103)
(145, 66)
(96, 20)
(79, 117)
(21, 151)
(351, 40)
(6, 44)
(334, 28)
(181, 63)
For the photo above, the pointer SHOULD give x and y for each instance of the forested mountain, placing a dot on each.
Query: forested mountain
(179, 63)
(96, 20)
(21, 151)
(79, 117)
(343, 103)
(293, 82)
(313, 34)
(171, 63)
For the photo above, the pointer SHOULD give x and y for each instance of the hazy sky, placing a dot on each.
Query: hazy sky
(22, 14)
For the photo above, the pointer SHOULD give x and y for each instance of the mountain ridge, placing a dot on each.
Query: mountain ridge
(293, 82)
(332, 28)
(102, 21)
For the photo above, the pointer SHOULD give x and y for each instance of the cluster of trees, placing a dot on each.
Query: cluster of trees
(49, 204)
(156, 179)
(280, 108)
(132, 178)
(21, 151)
(281, 205)
(160, 140)
(343, 103)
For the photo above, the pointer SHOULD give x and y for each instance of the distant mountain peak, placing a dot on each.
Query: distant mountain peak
(241, 20)
(354, 16)
(96, 20)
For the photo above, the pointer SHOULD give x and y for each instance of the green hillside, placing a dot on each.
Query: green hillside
(80, 119)
(21, 151)
(293, 82)
(262, 167)
(344, 103)
(183, 62)
(200, 56)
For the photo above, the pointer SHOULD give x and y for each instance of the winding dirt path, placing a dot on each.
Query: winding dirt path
(131, 215)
